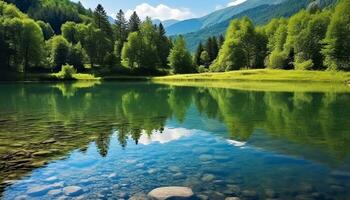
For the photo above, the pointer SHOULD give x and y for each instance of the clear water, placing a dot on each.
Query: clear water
(117, 140)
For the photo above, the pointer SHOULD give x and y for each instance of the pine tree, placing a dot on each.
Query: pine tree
(101, 20)
(134, 22)
(197, 56)
(163, 46)
(121, 26)
(221, 40)
(215, 48)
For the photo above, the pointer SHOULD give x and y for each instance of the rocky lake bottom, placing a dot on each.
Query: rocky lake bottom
(124, 141)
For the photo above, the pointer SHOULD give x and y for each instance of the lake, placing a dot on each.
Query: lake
(120, 140)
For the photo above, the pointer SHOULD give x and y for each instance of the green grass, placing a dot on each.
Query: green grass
(264, 75)
(79, 77)
(265, 80)
(85, 77)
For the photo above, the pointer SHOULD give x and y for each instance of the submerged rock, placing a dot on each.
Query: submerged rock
(139, 196)
(55, 192)
(205, 157)
(174, 169)
(270, 193)
(232, 198)
(73, 191)
(164, 193)
(208, 177)
(249, 194)
(38, 190)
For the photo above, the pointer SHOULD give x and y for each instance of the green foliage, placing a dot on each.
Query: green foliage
(202, 69)
(180, 59)
(21, 40)
(101, 21)
(337, 49)
(46, 29)
(67, 72)
(55, 13)
(197, 55)
(131, 52)
(59, 49)
(70, 32)
(277, 60)
(205, 58)
(163, 46)
(134, 22)
(304, 65)
(77, 57)
(243, 47)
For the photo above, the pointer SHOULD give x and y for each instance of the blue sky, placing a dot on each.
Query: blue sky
(162, 9)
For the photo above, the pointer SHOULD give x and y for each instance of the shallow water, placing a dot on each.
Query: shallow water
(118, 140)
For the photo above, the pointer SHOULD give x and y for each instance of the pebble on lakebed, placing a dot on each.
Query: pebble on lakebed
(73, 191)
(164, 193)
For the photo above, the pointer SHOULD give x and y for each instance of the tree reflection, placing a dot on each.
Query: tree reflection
(37, 113)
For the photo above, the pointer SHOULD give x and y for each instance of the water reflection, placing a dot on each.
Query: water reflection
(43, 123)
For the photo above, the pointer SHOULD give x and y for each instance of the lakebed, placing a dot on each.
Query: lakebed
(113, 140)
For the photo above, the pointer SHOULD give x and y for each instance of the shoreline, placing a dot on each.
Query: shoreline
(257, 75)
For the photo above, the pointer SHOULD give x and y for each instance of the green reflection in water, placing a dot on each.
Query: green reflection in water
(40, 122)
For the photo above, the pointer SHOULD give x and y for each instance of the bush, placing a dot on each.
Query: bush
(202, 69)
(306, 65)
(67, 72)
(277, 60)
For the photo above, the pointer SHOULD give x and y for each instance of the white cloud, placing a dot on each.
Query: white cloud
(168, 135)
(235, 2)
(162, 12)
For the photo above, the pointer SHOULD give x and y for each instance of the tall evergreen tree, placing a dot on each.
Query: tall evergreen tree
(215, 48)
(101, 20)
(197, 56)
(163, 45)
(121, 32)
(121, 27)
(134, 22)
(221, 40)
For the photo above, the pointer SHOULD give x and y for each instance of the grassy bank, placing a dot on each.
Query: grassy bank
(263, 75)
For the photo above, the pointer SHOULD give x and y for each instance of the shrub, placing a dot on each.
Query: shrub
(67, 72)
(306, 65)
(277, 60)
(202, 69)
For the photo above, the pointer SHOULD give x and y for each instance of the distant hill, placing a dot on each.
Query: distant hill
(186, 26)
(259, 15)
(54, 12)
(166, 23)
(196, 24)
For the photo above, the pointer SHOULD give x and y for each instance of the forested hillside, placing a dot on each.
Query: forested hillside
(53, 12)
(315, 38)
(192, 25)
(312, 39)
(259, 15)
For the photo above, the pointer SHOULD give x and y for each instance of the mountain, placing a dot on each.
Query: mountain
(166, 23)
(186, 26)
(259, 15)
(169, 22)
(196, 24)
(111, 20)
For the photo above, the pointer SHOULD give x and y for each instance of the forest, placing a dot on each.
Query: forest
(60, 36)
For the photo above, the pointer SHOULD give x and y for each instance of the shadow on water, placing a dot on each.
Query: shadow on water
(40, 123)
